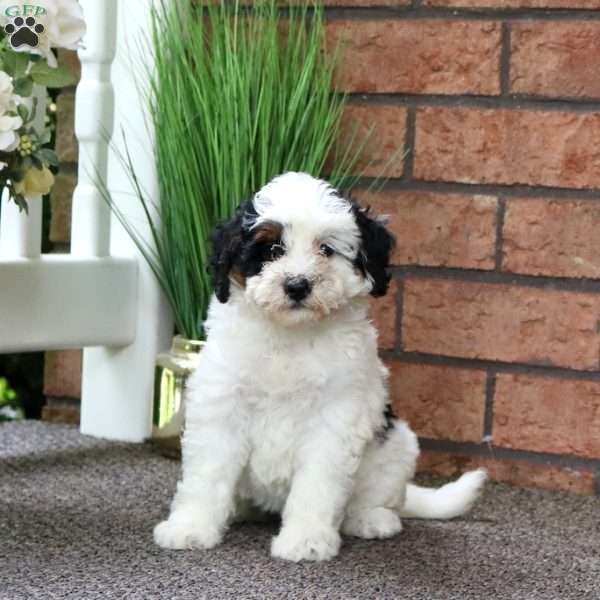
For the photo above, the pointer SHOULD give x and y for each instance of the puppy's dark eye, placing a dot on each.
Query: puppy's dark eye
(277, 251)
(325, 250)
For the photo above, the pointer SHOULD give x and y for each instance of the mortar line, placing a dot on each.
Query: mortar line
(399, 313)
(565, 284)
(499, 243)
(490, 392)
(484, 450)
(490, 189)
(577, 105)
(416, 11)
(409, 145)
(505, 56)
(527, 369)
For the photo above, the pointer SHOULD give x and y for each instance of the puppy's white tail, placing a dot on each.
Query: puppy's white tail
(447, 502)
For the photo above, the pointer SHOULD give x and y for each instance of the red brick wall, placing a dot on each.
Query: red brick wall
(492, 329)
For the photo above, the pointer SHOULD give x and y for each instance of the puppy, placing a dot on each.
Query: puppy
(288, 410)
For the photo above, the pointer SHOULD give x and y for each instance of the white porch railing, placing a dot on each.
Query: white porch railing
(101, 296)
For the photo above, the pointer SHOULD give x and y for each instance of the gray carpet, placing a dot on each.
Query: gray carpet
(76, 516)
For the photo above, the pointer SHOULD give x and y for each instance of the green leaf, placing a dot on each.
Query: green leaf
(45, 137)
(42, 74)
(23, 86)
(47, 156)
(37, 163)
(26, 164)
(23, 112)
(21, 203)
(15, 63)
(8, 63)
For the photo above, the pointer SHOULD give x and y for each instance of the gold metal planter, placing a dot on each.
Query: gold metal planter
(172, 370)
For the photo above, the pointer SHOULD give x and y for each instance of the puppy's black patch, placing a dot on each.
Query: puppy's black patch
(240, 250)
(388, 425)
(373, 258)
(388, 415)
(259, 247)
(227, 245)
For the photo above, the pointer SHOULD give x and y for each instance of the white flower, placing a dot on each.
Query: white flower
(3, 165)
(8, 99)
(64, 25)
(9, 138)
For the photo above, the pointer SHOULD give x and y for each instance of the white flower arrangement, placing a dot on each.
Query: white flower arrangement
(28, 33)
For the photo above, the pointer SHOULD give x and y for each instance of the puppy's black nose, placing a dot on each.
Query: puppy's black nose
(297, 288)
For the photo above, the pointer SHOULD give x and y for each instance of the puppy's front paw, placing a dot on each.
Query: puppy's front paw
(178, 534)
(298, 543)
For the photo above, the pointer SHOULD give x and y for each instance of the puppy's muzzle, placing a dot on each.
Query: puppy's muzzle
(297, 288)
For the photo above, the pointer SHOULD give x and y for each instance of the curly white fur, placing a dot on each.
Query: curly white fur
(285, 411)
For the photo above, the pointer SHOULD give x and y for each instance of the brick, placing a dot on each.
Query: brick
(62, 373)
(383, 313)
(382, 130)
(60, 201)
(515, 472)
(508, 147)
(515, 3)
(547, 415)
(552, 237)
(61, 413)
(439, 402)
(418, 56)
(501, 322)
(449, 230)
(352, 3)
(66, 143)
(555, 59)
(70, 60)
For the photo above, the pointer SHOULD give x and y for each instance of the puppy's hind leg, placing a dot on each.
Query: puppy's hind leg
(380, 487)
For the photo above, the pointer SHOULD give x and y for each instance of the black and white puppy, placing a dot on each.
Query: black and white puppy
(288, 410)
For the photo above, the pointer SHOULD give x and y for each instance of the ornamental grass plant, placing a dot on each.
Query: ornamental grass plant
(237, 95)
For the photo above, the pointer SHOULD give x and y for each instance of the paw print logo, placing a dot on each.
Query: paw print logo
(24, 32)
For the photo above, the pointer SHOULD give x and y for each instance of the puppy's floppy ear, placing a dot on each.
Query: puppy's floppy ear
(227, 243)
(374, 254)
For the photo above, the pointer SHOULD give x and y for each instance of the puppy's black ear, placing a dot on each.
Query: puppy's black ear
(227, 243)
(377, 245)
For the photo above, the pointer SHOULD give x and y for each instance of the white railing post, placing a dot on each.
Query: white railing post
(118, 382)
(58, 300)
(94, 116)
(21, 233)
